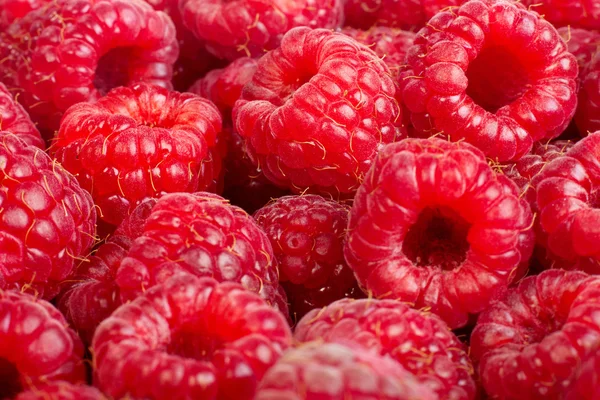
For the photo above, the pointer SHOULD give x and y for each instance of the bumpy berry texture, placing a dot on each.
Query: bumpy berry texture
(491, 73)
(70, 51)
(47, 222)
(203, 235)
(249, 28)
(434, 226)
(11, 10)
(213, 340)
(529, 343)
(582, 43)
(316, 112)
(335, 372)
(422, 343)
(586, 385)
(38, 347)
(140, 142)
(14, 119)
(575, 13)
(307, 234)
(62, 391)
(587, 118)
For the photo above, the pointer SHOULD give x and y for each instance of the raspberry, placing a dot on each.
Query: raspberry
(70, 51)
(576, 13)
(586, 386)
(529, 343)
(422, 343)
(405, 14)
(493, 74)
(11, 10)
(582, 43)
(139, 142)
(434, 226)
(587, 118)
(203, 235)
(212, 340)
(237, 28)
(46, 220)
(62, 391)
(14, 119)
(38, 347)
(335, 372)
(317, 111)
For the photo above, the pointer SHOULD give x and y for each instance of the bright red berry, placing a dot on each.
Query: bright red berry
(491, 73)
(575, 13)
(405, 14)
(529, 343)
(62, 391)
(189, 338)
(587, 118)
(14, 119)
(11, 10)
(582, 43)
(586, 385)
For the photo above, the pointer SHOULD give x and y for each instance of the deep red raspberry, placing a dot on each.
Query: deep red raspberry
(61, 391)
(529, 343)
(405, 14)
(47, 222)
(587, 118)
(335, 372)
(14, 119)
(421, 342)
(493, 74)
(70, 51)
(189, 338)
(11, 10)
(575, 13)
(317, 111)
(582, 43)
(238, 28)
(37, 346)
(139, 142)
(434, 226)
(586, 385)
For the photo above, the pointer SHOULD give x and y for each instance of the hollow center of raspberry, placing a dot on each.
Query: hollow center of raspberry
(113, 69)
(10, 382)
(497, 77)
(294, 81)
(437, 239)
(189, 343)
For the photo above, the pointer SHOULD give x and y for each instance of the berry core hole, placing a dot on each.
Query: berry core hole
(296, 80)
(10, 380)
(189, 342)
(113, 69)
(437, 239)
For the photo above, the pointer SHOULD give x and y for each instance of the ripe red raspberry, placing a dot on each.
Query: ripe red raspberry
(189, 338)
(238, 28)
(139, 142)
(586, 386)
(405, 14)
(201, 234)
(434, 226)
(582, 43)
(587, 118)
(70, 51)
(335, 372)
(47, 221)
(62, 391)
(11, 10)
(14, 119)
(307, 234)
(37, 346)
(493, 74)
(575, 13)
(421, 342)
(317, 110)
(529, 343)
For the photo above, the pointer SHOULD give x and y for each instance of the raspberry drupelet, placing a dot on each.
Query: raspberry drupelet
(586, 385)
(47, 221)
(582, 43)
(37, 345)
(69, 51)
(421, 342)
(405, 14)
(316, 112)
(14, 119)
(62, 391)
(140, 142)
(434, 226)
(587, 118)
(189, 338)
(11, 10)
(530, 343)
(491, 73)
(338, 372)
(575, 13)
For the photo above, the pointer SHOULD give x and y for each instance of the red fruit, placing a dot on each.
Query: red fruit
(493, 74)
(11, 10)
(405, 14)
(586, 386)
(434, 226)
(77, 50)
(189, 338)
(335, 372)
(37, 346)
(137, 143)
(14, 119)
(421, 342)
(529, 343)
(582, 43)
(47, 222)
(587, 118)
(575, 13)
(62, 391)
(238, 28)
(317, 111)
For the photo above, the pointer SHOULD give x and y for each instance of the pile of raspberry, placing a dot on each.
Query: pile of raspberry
(299, 200)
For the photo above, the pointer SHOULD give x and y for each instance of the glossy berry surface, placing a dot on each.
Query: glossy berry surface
(574, 13)
(14, 119)
(11, 10)
(62, 391)
(587, 118)
(586, 385)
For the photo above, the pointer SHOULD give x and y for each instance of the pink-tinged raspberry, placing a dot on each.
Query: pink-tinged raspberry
(70, 51)
(587, 118)
(11, 10)
(139, 142)
(189, 338)
(37, 345)
(491, 73)
(338, 372)
(201, 234)
(317, 111)
(62, 391)
(582, 43)
(14, 119)
(249, 28)
(575, 13)
(405, 14)
(47, 222)
(529, 343)
(434, 226)
(421, 342)
(586, 385)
